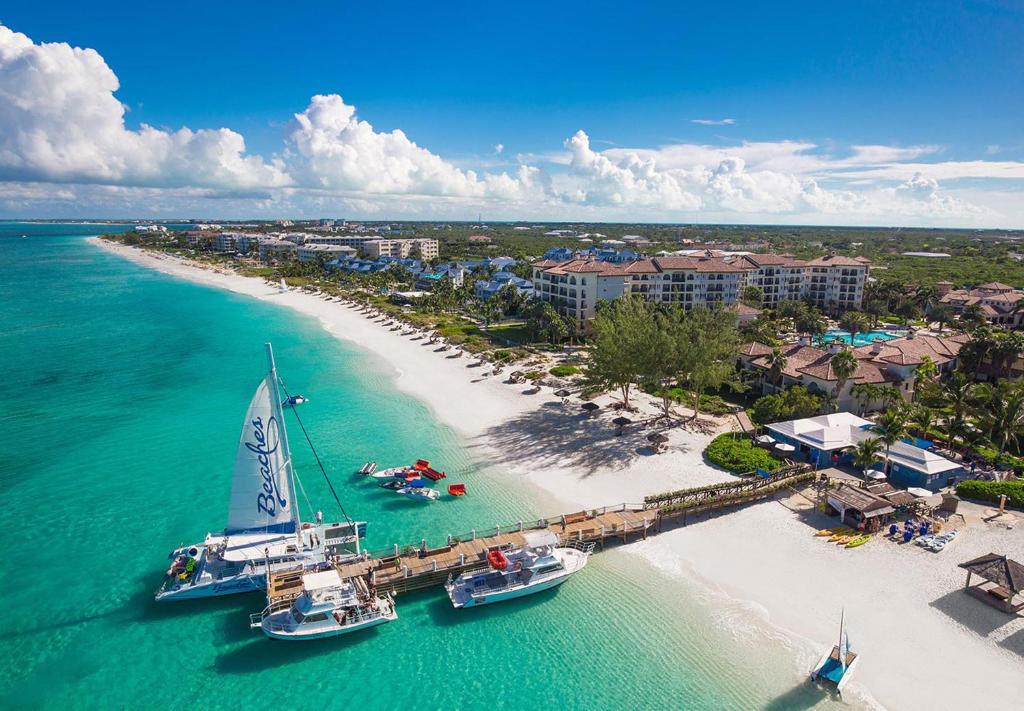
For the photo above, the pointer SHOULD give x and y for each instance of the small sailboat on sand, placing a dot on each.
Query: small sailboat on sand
(834, 669)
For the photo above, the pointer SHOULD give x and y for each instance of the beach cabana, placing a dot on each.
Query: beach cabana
(1002, 580)
(860, 505)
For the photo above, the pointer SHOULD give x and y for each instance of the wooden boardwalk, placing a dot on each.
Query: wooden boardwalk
(415, 567)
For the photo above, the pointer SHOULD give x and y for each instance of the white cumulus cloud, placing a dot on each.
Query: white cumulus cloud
(60, 121)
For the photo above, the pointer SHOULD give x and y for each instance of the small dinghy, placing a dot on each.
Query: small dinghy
(368, 468)
(457, 489)
(296, 400)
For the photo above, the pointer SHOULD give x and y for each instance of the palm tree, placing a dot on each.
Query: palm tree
(892, 427)
(922, 417)
(865, 393)
(958, 394)
(844, 365)
(776, 362)
(941, 314)
(1003, 413)
(855, 322)
(866, 452)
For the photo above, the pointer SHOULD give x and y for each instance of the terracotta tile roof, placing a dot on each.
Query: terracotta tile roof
(545, 263)
(586, 266)
(996, 286)
(817, 363)
(640, 266)
(716, 266)
(911, 351)
(755, 349)
(664, 263)
(835, 260)
(773, 260)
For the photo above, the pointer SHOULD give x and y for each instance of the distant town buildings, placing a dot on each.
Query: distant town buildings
(318, 252)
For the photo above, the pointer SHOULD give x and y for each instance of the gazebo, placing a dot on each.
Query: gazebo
(1002, 581)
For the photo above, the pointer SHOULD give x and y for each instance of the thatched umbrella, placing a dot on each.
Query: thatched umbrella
(564, 394)
(621, 422)
(590, 407)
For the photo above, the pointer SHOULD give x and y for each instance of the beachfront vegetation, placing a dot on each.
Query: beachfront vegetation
(794, 403)
(564, 370)
(735, 452)
(662, 348)
(992, 490)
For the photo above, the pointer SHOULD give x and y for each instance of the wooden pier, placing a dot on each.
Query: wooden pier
(415, 567)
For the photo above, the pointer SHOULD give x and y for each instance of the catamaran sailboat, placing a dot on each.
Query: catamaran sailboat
(538, 565)
(327, 606)
(264, 532)
(835, 668)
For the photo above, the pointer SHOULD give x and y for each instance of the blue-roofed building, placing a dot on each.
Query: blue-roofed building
(828, 440)
(487, 289)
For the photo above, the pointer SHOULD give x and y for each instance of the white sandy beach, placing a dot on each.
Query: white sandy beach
(924, 643)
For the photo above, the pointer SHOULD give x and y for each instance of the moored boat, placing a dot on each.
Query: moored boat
(539, 565)
(368, 468)
(264, 531)
(327, 606)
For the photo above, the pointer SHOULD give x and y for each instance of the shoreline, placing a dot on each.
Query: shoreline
(908, 617)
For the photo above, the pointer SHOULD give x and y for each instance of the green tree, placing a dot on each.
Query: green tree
(752, 296)
(941, 314)
(620, 352)
(707, 342)
(1002, 413)
(865, 394)
(776, 362)
(922, 418)
(795, 403)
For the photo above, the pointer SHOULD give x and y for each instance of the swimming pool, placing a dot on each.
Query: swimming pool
(861, 339)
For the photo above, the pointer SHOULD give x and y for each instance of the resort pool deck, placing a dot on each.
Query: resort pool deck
(861, 339)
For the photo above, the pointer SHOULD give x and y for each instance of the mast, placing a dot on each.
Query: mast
(275, 404)
(842, 655)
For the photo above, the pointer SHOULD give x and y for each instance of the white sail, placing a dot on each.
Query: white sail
(262, 498)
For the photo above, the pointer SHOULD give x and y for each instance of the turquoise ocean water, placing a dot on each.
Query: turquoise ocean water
(124, 391)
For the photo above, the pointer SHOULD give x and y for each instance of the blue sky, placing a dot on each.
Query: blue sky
(460, 78)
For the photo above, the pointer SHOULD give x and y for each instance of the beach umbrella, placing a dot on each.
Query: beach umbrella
(657, 438)
(765, 439)
(562, 393)
(874, 474)
(785, 448)
(918, 492)
(621, 422)
(590, 407)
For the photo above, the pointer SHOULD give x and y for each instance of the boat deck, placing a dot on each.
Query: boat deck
(414, 568)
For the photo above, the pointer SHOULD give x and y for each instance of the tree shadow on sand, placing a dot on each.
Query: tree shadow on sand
(562, 437)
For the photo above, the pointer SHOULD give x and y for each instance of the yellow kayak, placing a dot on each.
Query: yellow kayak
(839, 534)
(843, 540)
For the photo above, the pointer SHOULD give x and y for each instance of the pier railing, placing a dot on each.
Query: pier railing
(725, 493)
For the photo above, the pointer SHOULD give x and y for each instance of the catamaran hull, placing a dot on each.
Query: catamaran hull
(226, 586)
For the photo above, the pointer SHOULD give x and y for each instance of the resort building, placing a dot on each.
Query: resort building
(885, 363)
(998, 302)
(422, 248)
(836, 284)
(277, 249)
(828, 440)
(317, 252)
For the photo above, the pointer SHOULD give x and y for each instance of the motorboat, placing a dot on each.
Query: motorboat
(327, 606)
(540, 564)
(415, 489)
(368, 468)
(264, 532)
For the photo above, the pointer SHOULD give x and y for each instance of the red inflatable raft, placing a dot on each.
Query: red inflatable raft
(497, 559)
(457, 489)
(423, 467)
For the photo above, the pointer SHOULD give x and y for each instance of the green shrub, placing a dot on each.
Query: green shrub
(534, 374)
(737, 453)
(991, 491)
(563, 371)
